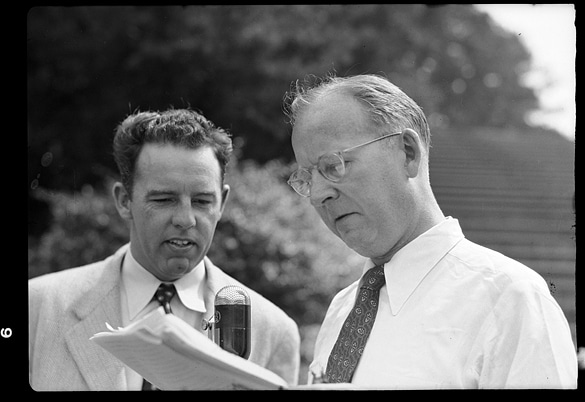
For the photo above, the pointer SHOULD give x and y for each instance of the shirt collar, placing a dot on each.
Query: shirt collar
(140, 286)
(409, 266)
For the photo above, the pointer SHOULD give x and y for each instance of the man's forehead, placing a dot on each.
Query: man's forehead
(165, 159)
(332, 123)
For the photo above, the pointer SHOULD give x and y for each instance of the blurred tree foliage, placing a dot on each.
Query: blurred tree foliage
(88, 67)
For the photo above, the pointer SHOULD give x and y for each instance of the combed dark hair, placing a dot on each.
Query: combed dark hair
(182, 127)
(386, 103)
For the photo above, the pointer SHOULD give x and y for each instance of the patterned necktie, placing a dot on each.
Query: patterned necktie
(355, 331)
(164, 294)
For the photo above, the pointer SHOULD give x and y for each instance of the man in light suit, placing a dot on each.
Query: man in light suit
(172, 194)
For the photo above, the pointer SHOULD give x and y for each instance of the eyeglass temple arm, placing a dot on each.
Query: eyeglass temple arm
(369, 142)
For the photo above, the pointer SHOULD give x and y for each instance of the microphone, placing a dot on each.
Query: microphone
(231, 327)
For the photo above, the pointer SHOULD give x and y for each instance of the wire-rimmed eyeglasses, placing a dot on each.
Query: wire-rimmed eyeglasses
(332, 166)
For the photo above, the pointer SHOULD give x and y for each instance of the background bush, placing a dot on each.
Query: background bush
(269, 238)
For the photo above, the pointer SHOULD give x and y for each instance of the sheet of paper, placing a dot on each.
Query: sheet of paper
(175, 356)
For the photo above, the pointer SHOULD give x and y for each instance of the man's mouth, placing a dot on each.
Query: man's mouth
(340, 217)
(180, 243)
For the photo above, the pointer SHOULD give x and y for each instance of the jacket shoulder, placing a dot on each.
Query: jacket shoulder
(72, 283)
(67, 279)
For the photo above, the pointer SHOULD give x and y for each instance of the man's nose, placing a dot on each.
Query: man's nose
(321, 190)
(183, 216)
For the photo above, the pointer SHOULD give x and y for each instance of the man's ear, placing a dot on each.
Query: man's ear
(413, 148)
(122, 200)
(224, 196)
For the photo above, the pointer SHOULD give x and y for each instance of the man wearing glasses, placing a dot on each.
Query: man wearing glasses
(432, 309)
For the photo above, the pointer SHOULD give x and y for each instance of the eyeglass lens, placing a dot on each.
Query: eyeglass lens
(332, 166)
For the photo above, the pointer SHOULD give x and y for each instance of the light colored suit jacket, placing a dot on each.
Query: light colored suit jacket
(66, 308)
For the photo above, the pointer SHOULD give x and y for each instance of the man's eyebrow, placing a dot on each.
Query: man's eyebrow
(205, 194)
(157, 192)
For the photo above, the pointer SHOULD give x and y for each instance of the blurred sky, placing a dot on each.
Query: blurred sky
(549, 32)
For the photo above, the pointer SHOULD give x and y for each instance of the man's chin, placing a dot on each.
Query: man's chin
(358, 243)
(177, 267)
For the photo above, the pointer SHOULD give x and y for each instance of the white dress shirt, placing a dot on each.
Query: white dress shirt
(454, 314)
(137, 289)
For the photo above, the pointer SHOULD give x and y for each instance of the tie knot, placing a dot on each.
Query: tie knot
(374, 279)
(164, 294)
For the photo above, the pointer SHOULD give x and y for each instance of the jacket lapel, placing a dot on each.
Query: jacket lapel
(215, 279)
(101, 304)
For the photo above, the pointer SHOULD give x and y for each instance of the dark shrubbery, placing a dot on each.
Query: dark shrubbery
(269, 238)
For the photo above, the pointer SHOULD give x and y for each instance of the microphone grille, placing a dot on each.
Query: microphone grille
(231, 295)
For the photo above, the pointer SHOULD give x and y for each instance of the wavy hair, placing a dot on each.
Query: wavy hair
(181, 127)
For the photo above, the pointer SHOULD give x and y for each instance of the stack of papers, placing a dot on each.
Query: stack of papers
(172, 355)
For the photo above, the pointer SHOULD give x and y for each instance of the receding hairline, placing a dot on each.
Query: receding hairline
(385, 102)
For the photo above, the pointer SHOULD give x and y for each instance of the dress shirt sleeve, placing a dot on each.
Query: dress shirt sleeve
(526, 341)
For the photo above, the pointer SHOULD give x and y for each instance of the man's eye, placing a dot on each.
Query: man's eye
(202, 201)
